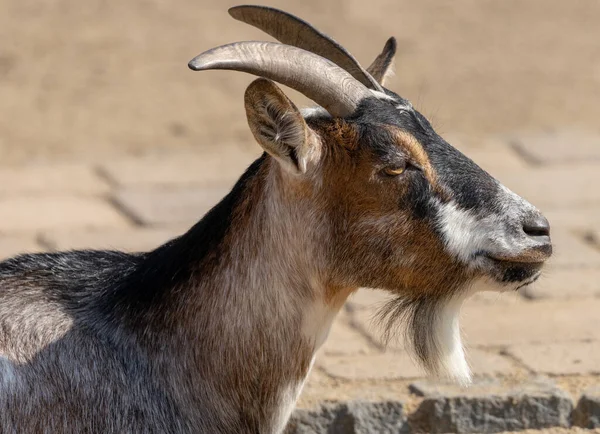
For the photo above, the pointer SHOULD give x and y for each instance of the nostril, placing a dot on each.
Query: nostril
(537, 227)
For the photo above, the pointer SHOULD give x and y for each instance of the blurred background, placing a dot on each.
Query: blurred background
(94, 77)
(108, 140)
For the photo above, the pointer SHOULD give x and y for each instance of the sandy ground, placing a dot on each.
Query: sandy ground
(82, 79)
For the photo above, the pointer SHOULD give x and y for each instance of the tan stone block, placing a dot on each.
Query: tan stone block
(321, 387)
(316, 385)
(172, 206)
(53, 179)
(368, 322)
(566, 358)
(14, 245)
(490, 154)
(559, 147)
(481, 387)
(565, 283)
(488, 363)
(131, 239)
(49, 212)
(556, 186)
(490, 406)
(571, 250)
(583, 218)
(386, 366)
(366, 298)
(494, 159)
(594, 235)
(222, 166)
(394, 365)
(343, 339)
(544, 321)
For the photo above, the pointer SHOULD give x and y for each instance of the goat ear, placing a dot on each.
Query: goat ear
(382, 67)
(277, 125)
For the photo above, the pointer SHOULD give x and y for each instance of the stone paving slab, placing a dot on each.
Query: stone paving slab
(368, 323)
(321, 387)
(583, 218)
(496, 158)
(481, 386)
(131, 240)
(572, 250)
(565, 284)
(490, 154)
(217, 167)
(169, 206)
(594, 235)
(13, 245)
(354, 417)
(587, 412)
(564, 358)
(544, 321)
(558, 147)
(395, 365)
(27, 213)
(491, 409)
(366, 298)
(556, 186)
(384, 366)
(343, 339)
(52, 179)
(489, 363)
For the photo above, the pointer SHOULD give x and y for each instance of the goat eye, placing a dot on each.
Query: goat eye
(394, 171)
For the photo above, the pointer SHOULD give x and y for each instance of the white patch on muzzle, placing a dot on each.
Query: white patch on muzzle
(467, 234)
(464, 233)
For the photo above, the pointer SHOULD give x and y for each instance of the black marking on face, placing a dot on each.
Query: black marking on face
(382, 144)
(471, 187)
(519, 273)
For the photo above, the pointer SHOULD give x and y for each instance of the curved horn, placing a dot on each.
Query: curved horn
(320, 80)
(291, 30)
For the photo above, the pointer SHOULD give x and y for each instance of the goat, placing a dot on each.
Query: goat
(216, 330)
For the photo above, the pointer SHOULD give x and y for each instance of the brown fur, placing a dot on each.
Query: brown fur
(375, 237)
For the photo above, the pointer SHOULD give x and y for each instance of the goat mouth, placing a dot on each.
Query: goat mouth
(508, 261)
(509, 270)
(522, 273)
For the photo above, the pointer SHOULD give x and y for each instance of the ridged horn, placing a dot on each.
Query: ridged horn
(325, 83)
(291, 30)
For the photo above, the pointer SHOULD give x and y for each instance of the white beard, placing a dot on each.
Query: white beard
(450, 360)
(433, 331)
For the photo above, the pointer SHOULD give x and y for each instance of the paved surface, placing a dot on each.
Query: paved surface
(549, 334)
